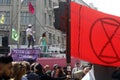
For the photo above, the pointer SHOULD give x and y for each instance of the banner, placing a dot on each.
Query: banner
(95, 36)
(24, 54)
(15, 35)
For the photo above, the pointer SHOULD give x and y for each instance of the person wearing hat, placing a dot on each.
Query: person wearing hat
(30, 38)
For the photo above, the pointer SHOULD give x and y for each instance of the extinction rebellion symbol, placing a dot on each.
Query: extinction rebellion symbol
(105, 40)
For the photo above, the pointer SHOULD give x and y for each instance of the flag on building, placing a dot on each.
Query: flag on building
(89, 75)
(94, 36)
(15, 35)
(2, 19)
(31, 8)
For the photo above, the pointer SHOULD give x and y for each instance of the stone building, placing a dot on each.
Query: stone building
(42, 20)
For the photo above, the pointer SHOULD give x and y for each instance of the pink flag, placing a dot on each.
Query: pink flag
(31, 8)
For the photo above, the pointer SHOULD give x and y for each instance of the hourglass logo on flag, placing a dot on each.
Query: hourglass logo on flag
(95, 36)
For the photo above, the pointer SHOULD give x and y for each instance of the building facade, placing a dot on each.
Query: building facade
(42, 20)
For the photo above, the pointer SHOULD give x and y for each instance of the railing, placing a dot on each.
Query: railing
(47, 51)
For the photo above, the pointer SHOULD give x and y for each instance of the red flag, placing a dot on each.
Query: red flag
(31, 8)
(95, 36)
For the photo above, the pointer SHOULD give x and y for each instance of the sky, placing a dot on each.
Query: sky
(107, 6)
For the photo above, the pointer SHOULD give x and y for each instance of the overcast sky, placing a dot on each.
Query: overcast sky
(107, 6)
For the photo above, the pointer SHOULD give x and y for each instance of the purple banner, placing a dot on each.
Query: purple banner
(24, 54)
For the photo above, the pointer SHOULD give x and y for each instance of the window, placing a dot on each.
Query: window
(23, 37)
(7, 18)
(25, 2)
(50, 3)
(27, 18)
(45, 15)
(62, 40)
(50, 20)
(54, 39)
(1, 1)
(45, 3)
(50, 38)
(58, 39)
(5, 2)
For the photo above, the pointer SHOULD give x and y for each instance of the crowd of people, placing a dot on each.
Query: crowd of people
(24, 70)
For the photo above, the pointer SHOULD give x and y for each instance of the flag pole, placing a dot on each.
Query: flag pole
(19, 19)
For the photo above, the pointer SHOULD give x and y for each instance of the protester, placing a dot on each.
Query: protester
(30, 75)
(18, 70)
(65, 70)
(30, 37)
(78, 75)
(89, 75)
(6, 67)
(43, 42)
(32, 67)
(39, 70)
(54, 70)
(47, 70)
(59, 73)
(76, 68)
